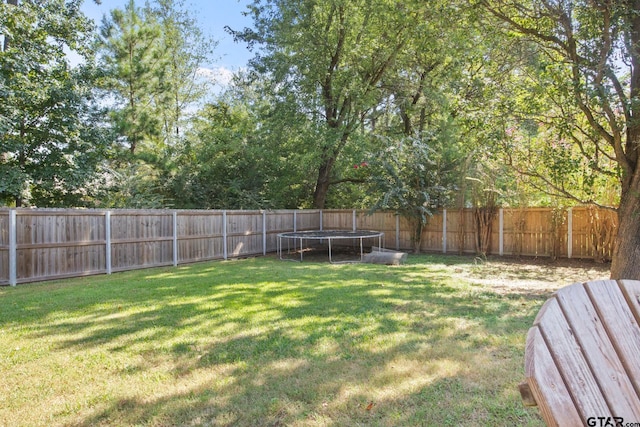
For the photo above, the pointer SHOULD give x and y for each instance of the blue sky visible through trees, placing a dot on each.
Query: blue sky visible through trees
(213, 16)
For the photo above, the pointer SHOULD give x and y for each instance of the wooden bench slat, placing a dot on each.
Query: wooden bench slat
(542, 374)
(620, 321)
(583, 316)
(631, 291)
(571, 363)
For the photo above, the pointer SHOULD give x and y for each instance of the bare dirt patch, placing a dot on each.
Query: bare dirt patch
(529, 275)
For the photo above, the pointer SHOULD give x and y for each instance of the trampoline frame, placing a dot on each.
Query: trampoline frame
(329, 235)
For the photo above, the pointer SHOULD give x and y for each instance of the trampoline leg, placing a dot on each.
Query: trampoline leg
(301, 249)
(330, 251)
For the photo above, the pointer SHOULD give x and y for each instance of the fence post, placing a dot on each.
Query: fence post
(224, 235)
(570, 233)
(13, 250)
(107, 232)
(321, 219)
(264, 233)
(444, 231)
(175, 238)
(295, 220)
(501, 232)
(397, 232)
(353, 220)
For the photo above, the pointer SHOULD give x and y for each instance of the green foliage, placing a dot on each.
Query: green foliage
(415, 176)
(134, 186)
(221, 164)
(242, 152)
(151, 56)
(51, 142)
(187, 49)
(333, 56)
(569, 103)
(134, 64)
(561, 165)
(540, 87)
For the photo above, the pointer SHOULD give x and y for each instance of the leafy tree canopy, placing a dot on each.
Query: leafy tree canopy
(50, 142)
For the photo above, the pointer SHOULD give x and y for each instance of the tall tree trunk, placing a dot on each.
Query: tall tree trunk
(418, 226)
(324, 171)
(626, 253)
(322, 184)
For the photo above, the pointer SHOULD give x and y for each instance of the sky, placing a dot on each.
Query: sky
(212, 16)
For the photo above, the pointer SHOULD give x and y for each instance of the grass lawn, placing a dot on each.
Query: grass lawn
(436, 342)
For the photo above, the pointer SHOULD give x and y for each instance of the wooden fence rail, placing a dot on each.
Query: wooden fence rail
(45, 244)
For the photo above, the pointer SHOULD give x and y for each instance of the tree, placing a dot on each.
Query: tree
(333, 55)
(221, 164)
(240, 153)
(51, 143)
(135, 64)
(151, 57)
(187, 50)
(415, 176)
(592, 52)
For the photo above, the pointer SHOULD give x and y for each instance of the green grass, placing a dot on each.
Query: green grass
(265, 342)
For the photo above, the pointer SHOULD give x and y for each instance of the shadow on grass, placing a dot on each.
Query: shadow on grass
(261, 342)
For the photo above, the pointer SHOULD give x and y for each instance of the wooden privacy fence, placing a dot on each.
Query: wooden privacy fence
(579, 232)
(44, 244)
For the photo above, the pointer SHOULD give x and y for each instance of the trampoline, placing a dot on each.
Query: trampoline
(298, 238)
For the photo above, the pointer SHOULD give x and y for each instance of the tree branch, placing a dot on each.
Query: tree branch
(343, 180)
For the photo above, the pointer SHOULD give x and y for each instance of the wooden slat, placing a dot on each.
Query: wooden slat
(60, 276)
(589, 329)
(542, 376)
(62, 212)
(141, 240)
(69, 244)
(338, 219)
(622, 325)
(570, 361)
(199, 237)
(631, 291)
